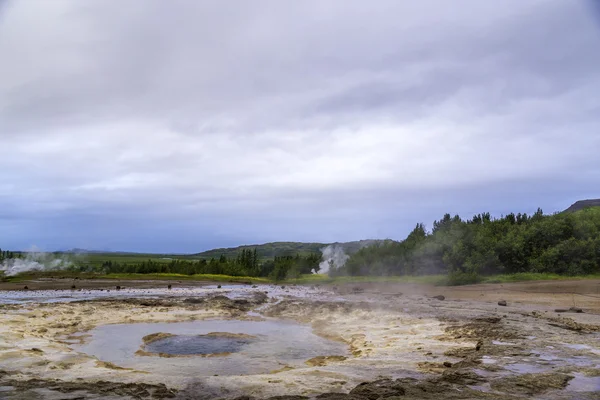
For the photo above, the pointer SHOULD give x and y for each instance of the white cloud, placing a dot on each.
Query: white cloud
(178, 107)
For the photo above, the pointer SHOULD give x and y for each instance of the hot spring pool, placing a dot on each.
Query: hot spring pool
(264, 346)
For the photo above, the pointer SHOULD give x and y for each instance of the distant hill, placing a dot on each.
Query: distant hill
(278, 249)
(581, 204)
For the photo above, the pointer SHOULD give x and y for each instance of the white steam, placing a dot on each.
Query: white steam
(34, 261)
(333, 256)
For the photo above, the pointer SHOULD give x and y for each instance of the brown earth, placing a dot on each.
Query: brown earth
(584, 293)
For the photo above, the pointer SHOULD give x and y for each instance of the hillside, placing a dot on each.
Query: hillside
(565, 243)
(581, 204)
(277, 249)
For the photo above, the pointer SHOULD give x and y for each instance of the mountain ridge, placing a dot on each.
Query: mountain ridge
(581, 204)
(278, 249)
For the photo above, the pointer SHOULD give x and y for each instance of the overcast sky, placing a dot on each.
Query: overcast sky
(178, 126)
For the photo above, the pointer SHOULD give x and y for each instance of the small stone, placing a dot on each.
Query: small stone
(169, 287)
(439, 297)
(219, 287)
(478, 345)
(502, 303)
(118, 287)
(447, 364)
(25, 288)
(576, 309)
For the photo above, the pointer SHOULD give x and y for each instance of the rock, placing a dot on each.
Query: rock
(169, 287)
(337, 396)
(383, 388)
(320, 361)
(194, 300)
(118, 287)
(439, 297)
(478, 345)
(219, 287)
(36, 350)
(571, 309)
(73, 287)
(254, 286)
(502, 303)
(461, 377)
(291, 397)
(25, 288)
(532, 384)
(447, 364)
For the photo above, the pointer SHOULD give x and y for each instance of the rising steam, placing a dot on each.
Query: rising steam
(34, 261)
(333, 257)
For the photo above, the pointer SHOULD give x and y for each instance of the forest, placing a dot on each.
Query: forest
(466, 250)
(247, 263)
(566, 243)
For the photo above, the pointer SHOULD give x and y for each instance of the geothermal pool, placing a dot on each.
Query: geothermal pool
(264, 346)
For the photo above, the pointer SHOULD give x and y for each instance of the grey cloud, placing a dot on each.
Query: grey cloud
(230, 110)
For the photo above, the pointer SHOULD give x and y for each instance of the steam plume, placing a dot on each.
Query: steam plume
(34, 261)
(333, 256)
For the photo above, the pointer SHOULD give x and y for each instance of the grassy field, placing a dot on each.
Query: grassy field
(438, 280)
(96, 259)
(176, 277)
(532, 276)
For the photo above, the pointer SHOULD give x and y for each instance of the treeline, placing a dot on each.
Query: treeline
(246, 263)
(7, 255)
(566, 243)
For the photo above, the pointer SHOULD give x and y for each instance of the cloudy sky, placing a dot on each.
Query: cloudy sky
(177, 126)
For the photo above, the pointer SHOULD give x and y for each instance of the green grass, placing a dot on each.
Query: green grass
(534, 276)
(320, 278)
(197, 277)
(125, 276)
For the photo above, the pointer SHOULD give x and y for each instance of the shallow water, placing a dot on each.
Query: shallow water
(232, 291)
(521, 368)
(278, 344)
(197, 344)
(582, 383)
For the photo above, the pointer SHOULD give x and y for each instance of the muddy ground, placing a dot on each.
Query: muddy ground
(402, 342)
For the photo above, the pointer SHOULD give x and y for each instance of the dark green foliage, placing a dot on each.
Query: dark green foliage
(566, 243)
(7, 255)
(246, 263)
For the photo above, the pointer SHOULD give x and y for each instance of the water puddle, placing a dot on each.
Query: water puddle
(582, 347)
(275, 344)
(582, 383)
(521, 368)
(232, 291)
(499, 343)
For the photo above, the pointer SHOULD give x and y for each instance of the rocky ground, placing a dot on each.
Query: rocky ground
(404, 341)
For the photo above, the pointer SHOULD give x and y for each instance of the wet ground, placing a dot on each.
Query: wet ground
(349, 342)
